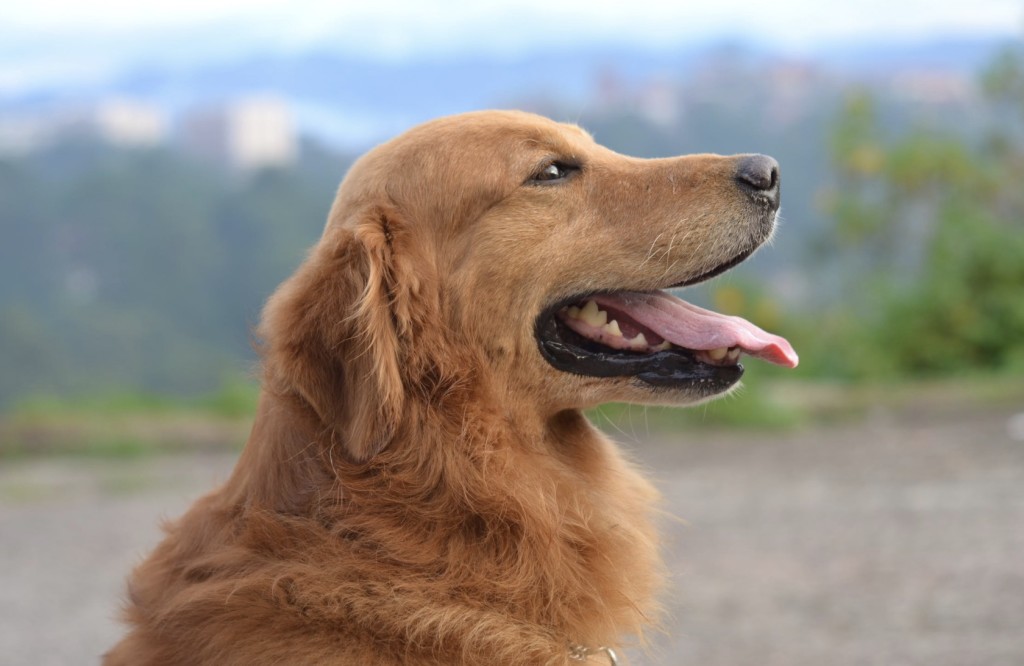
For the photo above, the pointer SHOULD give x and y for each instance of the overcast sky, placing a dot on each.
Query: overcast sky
(41, 39)
(431, 25)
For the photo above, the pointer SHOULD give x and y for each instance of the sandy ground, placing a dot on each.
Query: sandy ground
(895, 542)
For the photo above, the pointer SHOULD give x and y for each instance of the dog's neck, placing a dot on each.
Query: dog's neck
(549, 528)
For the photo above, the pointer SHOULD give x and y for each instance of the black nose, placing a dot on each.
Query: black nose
(759, 175)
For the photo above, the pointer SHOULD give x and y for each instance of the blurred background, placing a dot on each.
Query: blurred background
(163, 166)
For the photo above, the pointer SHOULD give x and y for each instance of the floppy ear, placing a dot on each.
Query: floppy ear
(331, 335)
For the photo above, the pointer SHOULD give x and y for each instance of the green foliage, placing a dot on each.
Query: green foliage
(1004, 79)
(235, 398)
(969, 312)
(128, 423)
(932, 224)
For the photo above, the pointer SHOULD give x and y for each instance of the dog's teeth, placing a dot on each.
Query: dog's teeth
(612, 327)
(665, 344)
(718, 354)
(593, 315)
(734, 354)
(573, 311)
(639, 342)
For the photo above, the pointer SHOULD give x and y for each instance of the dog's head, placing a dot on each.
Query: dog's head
(518, 250)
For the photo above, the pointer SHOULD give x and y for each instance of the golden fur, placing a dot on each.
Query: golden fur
(420, 486)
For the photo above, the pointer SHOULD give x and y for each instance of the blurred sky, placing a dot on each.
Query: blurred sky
(44, 41)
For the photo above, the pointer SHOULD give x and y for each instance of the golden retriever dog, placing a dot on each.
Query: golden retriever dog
(421, 485)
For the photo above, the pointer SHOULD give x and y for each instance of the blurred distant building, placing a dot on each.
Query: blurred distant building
(933, 87)
(125, 122)
(117, 121)
(793, 90)
(244, 134)
(660, 102)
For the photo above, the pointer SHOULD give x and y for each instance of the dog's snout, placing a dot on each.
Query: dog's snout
(759, 174)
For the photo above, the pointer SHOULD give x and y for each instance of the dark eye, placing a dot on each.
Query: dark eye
(554, 171)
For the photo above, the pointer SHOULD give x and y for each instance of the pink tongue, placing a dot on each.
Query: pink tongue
(686, 325)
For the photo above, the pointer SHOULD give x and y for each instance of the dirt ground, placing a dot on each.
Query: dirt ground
(894, 542)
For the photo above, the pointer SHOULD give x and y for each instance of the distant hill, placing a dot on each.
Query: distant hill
(141, 270)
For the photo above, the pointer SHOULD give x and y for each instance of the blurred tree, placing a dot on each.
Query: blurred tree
(935, 221)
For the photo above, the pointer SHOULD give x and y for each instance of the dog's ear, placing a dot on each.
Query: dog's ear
(331, 334)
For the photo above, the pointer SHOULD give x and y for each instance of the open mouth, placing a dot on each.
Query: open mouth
(655, 337)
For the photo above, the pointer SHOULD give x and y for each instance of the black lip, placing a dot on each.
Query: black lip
(673, 368)
(717, 270)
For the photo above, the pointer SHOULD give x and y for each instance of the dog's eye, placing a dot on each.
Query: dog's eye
(553, 171)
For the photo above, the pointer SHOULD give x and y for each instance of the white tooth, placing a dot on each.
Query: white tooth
(639, 342)
(574, 311)
(718, 354)
(734, 354)
(662, 346)
(613, 328)
(593, 315)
